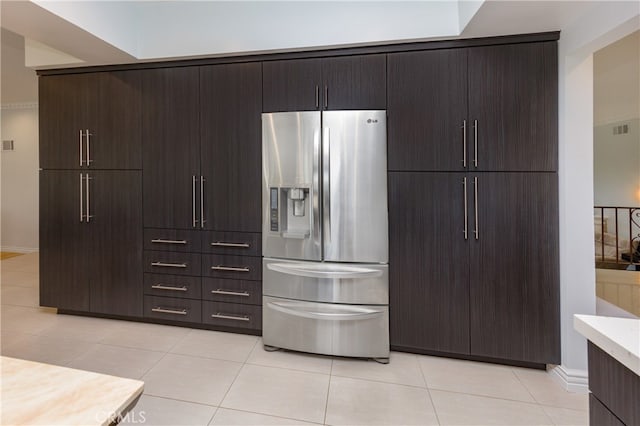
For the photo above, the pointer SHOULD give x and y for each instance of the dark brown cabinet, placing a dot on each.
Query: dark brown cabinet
(514, 269)
(427, 110)
(231, 141)
(490, 108)
(91, 235)
(428, 258)
(349, 82)
(171, 142)
(474, 264)
(90, 121)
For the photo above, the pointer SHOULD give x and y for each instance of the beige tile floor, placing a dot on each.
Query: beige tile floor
(196, 377)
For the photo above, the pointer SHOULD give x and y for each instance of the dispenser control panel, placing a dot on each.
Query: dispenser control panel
(273, 208)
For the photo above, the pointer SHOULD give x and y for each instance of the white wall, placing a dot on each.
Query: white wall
(19, 178)
(601, 26)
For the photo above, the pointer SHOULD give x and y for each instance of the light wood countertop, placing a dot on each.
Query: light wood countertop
(36, 393)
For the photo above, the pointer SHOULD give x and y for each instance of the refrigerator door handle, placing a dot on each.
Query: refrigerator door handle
(328, 312)
(322, 271)
(326, 182)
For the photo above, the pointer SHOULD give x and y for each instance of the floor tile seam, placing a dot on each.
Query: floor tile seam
(204, 357)
(326, 403)
(536, 403)
(379, 381)
(586, 410)
(270, 415)
(231, 385)
(179, 341)
(426, 384)
(522, 382)
(180, 400)
(287, 368)
(91, 345)
(251, 351)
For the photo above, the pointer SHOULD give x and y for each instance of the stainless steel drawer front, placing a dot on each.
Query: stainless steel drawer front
(326, 328)
(326, 282)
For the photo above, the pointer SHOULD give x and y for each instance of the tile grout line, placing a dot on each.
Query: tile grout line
(426, 384)
(326, 403)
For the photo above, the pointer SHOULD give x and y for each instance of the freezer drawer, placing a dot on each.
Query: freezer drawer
(326, 328)
(326, 282)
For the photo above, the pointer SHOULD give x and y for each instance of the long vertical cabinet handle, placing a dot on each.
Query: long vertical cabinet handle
(80, 150)
(87, 138)
(475, 143)
(202, 219)
(81, 198)
(466, 215)
(475, 202)
(193, 201)
(464, 145)
(317, 97)
(326, 96)
(87, 179)
(326, 181)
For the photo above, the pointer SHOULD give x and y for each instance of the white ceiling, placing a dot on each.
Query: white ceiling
(81, 33)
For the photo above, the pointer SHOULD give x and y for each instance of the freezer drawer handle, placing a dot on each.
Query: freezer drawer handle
(168, 287)
(224, 244)
(169, 311)
(162, 241)
(169, 265)
(231, 293)
(230, 268)
(315, 272)
(231, 317)
(307, 312)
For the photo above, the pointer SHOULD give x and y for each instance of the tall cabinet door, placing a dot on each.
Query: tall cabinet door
(116, 133)
(64, 274)
(427, 110)
(115, 247)
(428, 264)
(512, 98)
(514, 268)
(64, 111)
(231, 103)
(171, 147)
(354, 82)
(292, 85)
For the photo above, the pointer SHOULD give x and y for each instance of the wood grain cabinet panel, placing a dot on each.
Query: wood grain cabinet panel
(514, 275)
(428, 264)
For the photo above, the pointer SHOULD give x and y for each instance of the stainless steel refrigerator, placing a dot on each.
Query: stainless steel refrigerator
(325, 239)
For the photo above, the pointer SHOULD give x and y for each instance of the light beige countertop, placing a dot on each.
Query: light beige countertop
(619, 337)
(36, 393)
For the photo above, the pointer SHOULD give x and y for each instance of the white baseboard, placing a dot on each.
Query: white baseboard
(576, 381)
(20, 249)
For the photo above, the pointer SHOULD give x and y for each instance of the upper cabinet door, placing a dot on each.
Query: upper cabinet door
(115, 139)
(354, 82)
(171, 147)
(513, 102)
(291, 85)
(230, 135)
(428, 110)
(90, 121)
(64, 113)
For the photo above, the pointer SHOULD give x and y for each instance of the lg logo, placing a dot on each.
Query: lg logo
(371, 120)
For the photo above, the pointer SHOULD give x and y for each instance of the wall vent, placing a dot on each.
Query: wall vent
(7, 145)
(621, 130)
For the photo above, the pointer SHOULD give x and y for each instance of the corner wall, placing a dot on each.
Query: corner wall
(19, 181)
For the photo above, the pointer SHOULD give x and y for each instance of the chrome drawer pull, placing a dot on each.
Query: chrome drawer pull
(161, 241)
(230, 293)
(169, 311)
(238, 245)
(230, 268)
(168, 287)
(169, 265)
(231, 317)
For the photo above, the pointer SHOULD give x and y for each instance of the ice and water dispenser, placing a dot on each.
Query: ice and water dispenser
(290, 211)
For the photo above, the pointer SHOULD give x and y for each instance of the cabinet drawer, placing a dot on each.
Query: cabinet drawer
(235, 267)
(163, 262)
(174, 309)
(232, 315)
(172, 286)
(234, 243)
(234, 291)
(172, 240)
